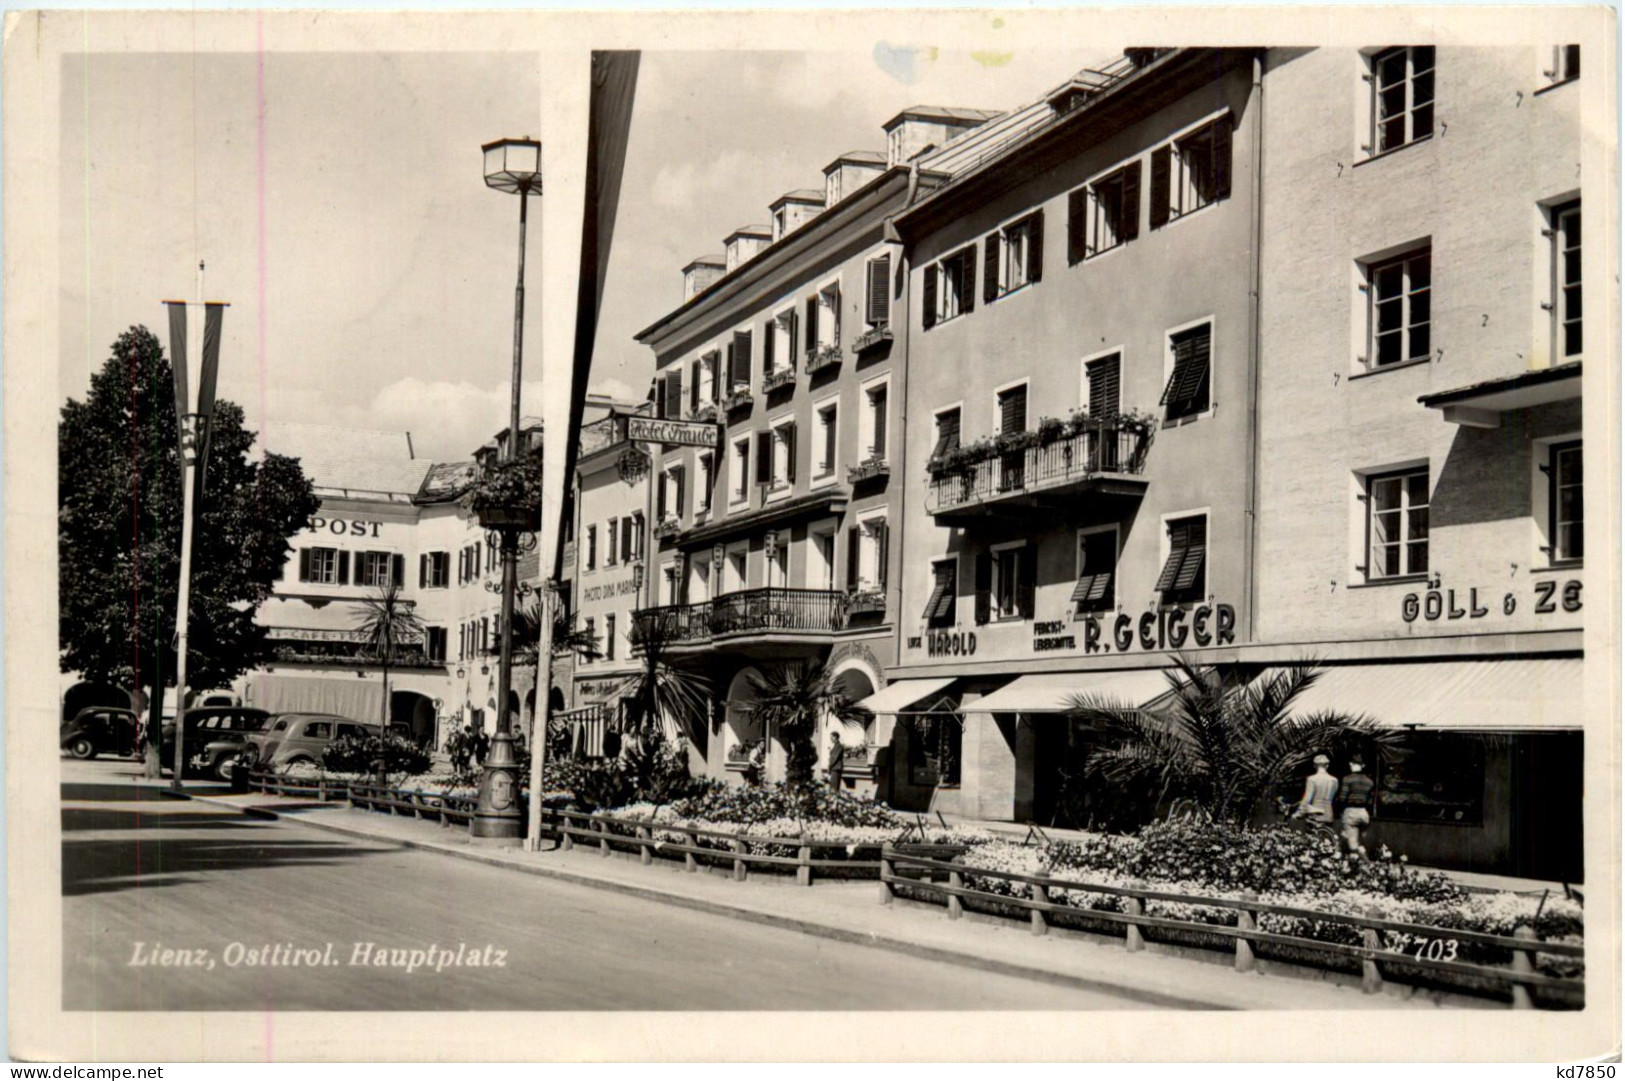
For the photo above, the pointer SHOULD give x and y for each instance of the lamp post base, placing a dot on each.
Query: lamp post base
(497, 819)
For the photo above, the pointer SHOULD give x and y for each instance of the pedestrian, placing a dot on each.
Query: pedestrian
(461, 745)
(1318, 791)
(519, 745)
(1356, 791)
(835, 768)
(482, 746)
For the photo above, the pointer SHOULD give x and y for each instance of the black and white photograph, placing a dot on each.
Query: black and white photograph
(792, 516)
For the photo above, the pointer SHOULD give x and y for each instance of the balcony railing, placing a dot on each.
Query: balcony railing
(820, 357)
(872, 339)
(868, 469)
(772, 381)
(1110, 446)
(738, 399)
(668, 527)
(774, 610)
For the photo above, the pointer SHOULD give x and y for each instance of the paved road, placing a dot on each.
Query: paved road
(271, 915)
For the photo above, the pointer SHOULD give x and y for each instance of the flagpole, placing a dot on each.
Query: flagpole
(188, 465)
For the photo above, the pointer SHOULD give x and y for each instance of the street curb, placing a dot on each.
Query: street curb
(749, 915)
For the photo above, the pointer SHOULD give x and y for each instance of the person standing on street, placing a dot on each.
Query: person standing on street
(482, 746)
(1318, 792)
(1357, 790)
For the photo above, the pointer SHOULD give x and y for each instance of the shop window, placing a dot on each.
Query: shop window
(1401, 97)
(1184, 573)
(1396, 524)
(939, 607)
(1433, 778)
(935, 741)
(1567, 510)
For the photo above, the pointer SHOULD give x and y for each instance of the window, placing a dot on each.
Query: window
(318, 730)
(627, 541)
(741, 470)
(779, 342)
(378, 569)
(784, 456)
(1012, 409)
(434, 570)
(1188, 391)
(939, 607)
(825, 326)
(874, 421)
(950, 287)
(1096, 590)
(877, 292)
(934, 746)
(669, 501)
(1401, 97)
(1103, 380)
(1009, 585)
(592, 547)
(1104, 214)
(1013, 257)
(828, 431)
(821, 571)
(710, 369)
(435, 644)
(1565, 304)
(780, 221)
(1565, 64)
(637, 535)
(612, 534)
(669, 405)
(1184, 573)
(868, 552)
(1567, 511)
(609, 637)
(1191, 172)
(776, 560)
(947, 422)
(1396, 524)
(1400, 308)
(592, 636)
(832, 187)
(739, 361)
(671, 574)
(324, 566)
(707, 478)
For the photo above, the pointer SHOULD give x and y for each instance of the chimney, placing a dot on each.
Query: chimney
(794, 209)
(924, 127)
(700, 274)
(743, 243)
(849, 172)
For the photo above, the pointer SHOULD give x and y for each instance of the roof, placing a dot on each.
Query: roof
(445, 481)
(1503, 392)
(800, 195)
(749, 230)
(859, 157)
(350, 459)
(941, 114)
(705, 260)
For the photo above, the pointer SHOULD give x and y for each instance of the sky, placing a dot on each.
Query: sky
(339, 204)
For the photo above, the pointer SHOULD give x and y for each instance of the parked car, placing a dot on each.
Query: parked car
(98, 730)
(295, 739)
(214, 737)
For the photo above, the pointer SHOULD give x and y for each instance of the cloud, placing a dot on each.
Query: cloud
(611, 387)
(684, 185)
(448, 420)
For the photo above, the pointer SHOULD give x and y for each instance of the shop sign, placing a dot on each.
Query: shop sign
(1435, 603)
(343, 527)
(682, 433)
(1156, 629)
(610, 589)
(597, 690)
(945, 643)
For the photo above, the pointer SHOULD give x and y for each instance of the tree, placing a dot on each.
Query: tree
(790, 698)
(387, 624)
(567, 636)
(662, 691)
(119, 534)
(1221, 747)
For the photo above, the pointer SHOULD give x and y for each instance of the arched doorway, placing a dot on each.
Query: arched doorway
(555, 701)
(856, 683)
(85, 695)
(741, 733)
(416, 712)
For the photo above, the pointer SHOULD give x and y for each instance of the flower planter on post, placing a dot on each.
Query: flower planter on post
(524, 519)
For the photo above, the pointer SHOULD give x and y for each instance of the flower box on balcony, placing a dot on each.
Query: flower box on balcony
(667, 528)
(738, 399)
(873, 339)
(868, 470)
(772, 381)
(820, 357)
(705, 413)
(866, 601)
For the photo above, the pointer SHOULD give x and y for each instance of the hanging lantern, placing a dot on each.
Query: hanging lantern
(772, 546)
(632, 465)
(718, 553)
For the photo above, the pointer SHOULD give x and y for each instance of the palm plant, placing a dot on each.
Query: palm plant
(789, 699)
(387, 623)
(1219, 747)
(567, 636)
(662, 692)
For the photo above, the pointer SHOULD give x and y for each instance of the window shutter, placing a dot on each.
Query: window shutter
(1104, 387)
(967, 280)
(714, 361)
(694, 387)
(1129, 226)
(768, 346)
(1013, 410)
(928, 297)
(304, 564)
(880, 292)
(990, 268)
(1178, 542)
(764, 457)
(733, 370)
(795, 328)
(397, 569)
(790, 453)
(984, 586)
(660, 506)
(882, 553)
(881, 407)
(1221, 157)
(677, 495)
(671, 405)
(812, 322)
(1027, 585)
(1077, 212)
(1035, 247)
(834, 319)
(852, 541)
(1161, 175)
(344, 568)
(637, 535)
(423, 571)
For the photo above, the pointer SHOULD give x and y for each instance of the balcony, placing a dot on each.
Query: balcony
(739, 398)
(667, 527)
(772, 612)
(820, 357)
(784, 377)
(705, 414)
(872, 340)
(1041, 472)
(868, 469)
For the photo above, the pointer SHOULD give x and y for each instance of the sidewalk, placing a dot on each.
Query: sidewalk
(851, 912)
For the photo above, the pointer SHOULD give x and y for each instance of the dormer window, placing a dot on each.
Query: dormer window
(781, 220)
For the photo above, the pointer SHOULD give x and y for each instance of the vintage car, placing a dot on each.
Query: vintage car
(294, 739)
(98, 730)
(214, 737)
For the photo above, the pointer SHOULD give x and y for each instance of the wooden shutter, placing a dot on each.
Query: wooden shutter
(733, 369)
(1035, 247)
(637, 535)
(344, 568)
(795, 326)
(769, 344)
(1013, 410)
(694, 387)
(928, 297)
(1161, 176)
(660, 507)
(677, 495)
(967, 280)
(1027, 580)
(1129, 227)
(1190, 375)
(882, 553)
(853, 539)
(304, 564)
(1178, 542)
(397, 569)
(1221, 157)
(790, 453)
(764, 457)
(1190, 568)
(881, 407)
(879, 313)
(812, 322)
(947, 433)
(742, 355)
(423, 571)
(1077, 217)
(984, 586)
(714, 362)
(1104, 387)
(991, 248)
(834, 319)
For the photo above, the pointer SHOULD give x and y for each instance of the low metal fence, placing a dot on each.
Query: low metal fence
(947, 882)
(318, 788)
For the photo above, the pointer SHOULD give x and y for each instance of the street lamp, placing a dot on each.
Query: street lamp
(513, 166)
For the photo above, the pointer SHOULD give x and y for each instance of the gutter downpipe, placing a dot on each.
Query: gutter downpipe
(1255, 344)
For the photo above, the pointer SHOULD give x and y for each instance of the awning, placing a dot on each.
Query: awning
(1499, 695)
(897, 695)
(1480, 405)
(1050, 692)
(358, 699)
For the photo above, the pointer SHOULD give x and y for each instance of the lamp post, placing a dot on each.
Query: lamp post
(513, 166)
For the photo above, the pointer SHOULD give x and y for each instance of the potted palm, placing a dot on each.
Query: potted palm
(790, 699)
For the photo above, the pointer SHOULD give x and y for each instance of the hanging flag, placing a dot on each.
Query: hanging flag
(202, 372)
